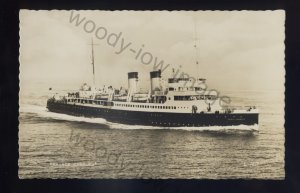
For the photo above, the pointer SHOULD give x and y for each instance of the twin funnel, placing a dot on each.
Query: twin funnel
(155, 79)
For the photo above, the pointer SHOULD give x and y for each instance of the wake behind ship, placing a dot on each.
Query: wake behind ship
(181, 102)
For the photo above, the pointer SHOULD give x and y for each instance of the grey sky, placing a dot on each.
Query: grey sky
(236, 49)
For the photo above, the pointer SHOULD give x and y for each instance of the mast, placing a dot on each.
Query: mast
(196, 48)
(93, 62)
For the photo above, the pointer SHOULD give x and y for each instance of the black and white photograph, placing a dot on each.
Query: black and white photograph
(151, 94)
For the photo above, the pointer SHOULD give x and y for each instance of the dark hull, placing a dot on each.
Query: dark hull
(154, 118)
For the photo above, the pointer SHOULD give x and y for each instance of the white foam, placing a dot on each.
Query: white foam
(204, 128)
(43, 112)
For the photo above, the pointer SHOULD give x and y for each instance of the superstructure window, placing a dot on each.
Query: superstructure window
(183, 98)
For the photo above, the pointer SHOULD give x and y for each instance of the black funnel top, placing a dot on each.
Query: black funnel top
(132, 75)
(155, 74)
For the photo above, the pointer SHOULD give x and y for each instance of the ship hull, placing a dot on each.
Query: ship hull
(155, 118)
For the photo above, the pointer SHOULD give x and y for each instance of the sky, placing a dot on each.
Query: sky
(234, 49)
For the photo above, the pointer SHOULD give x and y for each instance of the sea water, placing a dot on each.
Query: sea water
(53, 145)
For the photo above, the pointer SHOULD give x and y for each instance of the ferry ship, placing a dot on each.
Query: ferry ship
(179, 102)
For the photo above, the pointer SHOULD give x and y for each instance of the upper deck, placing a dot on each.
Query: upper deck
(167, 107)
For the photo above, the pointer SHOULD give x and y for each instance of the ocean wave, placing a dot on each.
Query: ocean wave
(202, 128)
(43, 112)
